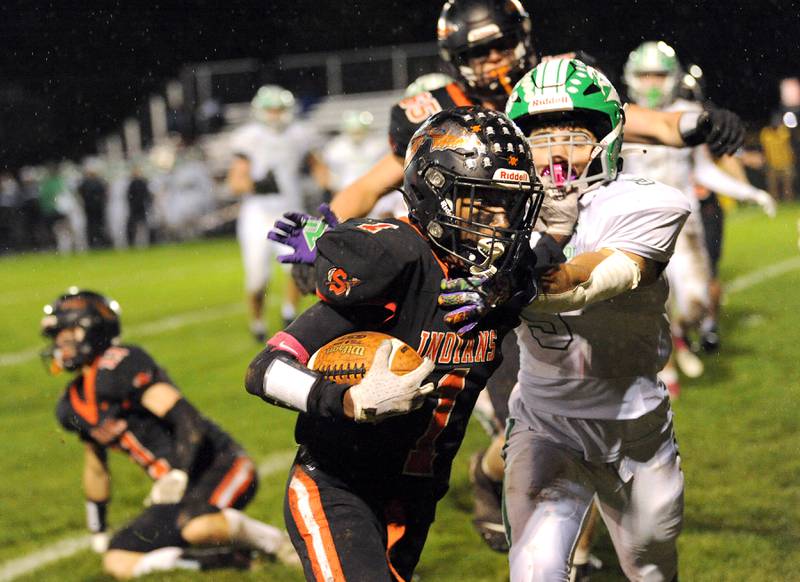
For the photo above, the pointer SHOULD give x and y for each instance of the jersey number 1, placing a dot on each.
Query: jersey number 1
(420, 460)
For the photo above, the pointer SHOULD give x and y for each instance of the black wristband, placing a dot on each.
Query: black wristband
(96, 515)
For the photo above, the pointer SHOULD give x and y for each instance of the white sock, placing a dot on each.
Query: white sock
(288, 311)
(257, 326)
(163, 559)
(581, 556)
(253, 533)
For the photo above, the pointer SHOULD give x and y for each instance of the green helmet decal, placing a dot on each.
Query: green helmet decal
(653, 58)
(568, 90)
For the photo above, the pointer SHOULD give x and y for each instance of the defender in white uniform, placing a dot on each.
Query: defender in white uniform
(268, 156)
(589, 418)
(652, 74)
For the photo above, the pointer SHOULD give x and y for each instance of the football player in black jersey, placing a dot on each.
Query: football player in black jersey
(487, 47)
(121, 399)
(375, 457)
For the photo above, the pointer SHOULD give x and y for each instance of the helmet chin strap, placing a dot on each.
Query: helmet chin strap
(492, 251)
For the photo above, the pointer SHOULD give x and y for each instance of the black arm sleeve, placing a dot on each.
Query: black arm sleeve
(189, 429)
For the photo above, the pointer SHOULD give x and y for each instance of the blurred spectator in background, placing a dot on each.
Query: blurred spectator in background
(70, 205)
(187, 191)
(9, 215)
(779, 160)
(117, 206)
(93, 191)
(30, 214)
(139, 201)
(51, 188)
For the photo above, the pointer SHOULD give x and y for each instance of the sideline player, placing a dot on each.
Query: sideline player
(267, 157)
(121, 399)
(589, 419)
(653, 75)
(363, 489)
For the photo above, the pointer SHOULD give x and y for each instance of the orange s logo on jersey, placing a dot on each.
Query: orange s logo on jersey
(339, 282)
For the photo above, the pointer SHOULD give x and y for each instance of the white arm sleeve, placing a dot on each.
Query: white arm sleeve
(708, 174)
(615, 274)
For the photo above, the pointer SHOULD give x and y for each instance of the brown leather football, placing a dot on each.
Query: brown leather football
(346, 359)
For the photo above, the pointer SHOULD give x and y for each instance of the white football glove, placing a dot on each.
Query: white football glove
(382, 394)
(169, 488)
(100, 542)
(766, 202)
(558, 214)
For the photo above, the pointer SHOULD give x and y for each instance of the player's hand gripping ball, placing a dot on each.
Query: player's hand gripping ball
(387, 375)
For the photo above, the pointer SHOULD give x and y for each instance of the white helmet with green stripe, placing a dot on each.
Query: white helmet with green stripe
(273, 105)
(567, 95)
(657, 61)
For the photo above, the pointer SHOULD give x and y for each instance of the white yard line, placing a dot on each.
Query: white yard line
(759, 276)
(143, 329)
(272, 465)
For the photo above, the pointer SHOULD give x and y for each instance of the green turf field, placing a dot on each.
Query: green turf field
(738, 426)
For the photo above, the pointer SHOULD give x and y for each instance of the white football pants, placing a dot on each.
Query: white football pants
(548, 490)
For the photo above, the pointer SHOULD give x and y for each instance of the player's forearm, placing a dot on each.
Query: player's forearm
(587, 279)
(358, 199)
(654, 127)
(189, 430)
(279, 376)
(712, 177)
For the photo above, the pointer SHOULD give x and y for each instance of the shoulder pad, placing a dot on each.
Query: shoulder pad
(409, 113)
(124, 372)
(361, 261)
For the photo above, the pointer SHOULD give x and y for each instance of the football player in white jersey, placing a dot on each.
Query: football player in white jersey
(589, 419)
(354, 151)
(653, 75)
(268, 154)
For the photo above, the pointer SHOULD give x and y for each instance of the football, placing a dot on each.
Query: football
(346, 359)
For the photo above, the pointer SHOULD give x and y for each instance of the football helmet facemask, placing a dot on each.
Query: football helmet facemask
(470, 186)
(469, 30)
(95, 319)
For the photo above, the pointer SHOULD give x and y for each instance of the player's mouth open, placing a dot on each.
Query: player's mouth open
(558, 172)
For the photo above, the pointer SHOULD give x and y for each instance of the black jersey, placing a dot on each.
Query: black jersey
(411, 112)
(104, 406)
(382, 276)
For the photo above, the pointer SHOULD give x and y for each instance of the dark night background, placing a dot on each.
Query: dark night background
(72, 72)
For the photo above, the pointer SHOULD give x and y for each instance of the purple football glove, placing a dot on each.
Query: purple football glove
(467, 298)
(301, 232)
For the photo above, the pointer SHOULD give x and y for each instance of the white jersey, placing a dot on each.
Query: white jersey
(349, 159)
(668, 165)
(682, 168)
(278, 151)
(601, 362)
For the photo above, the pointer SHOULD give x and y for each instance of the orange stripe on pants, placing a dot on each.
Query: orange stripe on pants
(226, 481)
(395, 532)
(309, 516)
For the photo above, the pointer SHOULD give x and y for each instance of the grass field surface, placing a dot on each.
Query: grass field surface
(738, 425)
